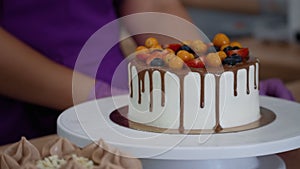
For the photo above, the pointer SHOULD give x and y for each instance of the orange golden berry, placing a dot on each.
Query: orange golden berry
(235, 44)
(187, 42)
(213, 59)
(224, 46)
(222, 55)
(199, 46)
(139, 48)
(151, 42)
(170, 50)
(185, 55)
(176, 63)
(166, 58)
(157, 46)
(221, 39)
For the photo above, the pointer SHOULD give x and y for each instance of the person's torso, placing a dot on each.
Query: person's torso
(57, 29)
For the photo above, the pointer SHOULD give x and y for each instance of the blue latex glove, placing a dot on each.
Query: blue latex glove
(276, 88)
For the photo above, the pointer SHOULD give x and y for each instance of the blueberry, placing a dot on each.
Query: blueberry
(187, 48)
(233, 59)
(237, 58)
(157, 62)
(227, 48)
(217, 48)
(196, 56)
(156, 50)
(230, 61)
(235, 47)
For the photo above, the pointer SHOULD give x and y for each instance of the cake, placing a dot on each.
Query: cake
(193, 86)
(59, 153)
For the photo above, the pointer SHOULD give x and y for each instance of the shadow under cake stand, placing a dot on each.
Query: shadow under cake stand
(249, 149)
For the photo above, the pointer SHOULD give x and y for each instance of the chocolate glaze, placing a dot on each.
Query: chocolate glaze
(181, 120)
(218, 126)
(143, 68)
(120, 117)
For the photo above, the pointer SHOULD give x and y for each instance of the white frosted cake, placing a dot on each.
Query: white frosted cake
(189, 87)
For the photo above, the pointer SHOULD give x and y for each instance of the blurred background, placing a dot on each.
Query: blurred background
(269, 28)
(275, 20)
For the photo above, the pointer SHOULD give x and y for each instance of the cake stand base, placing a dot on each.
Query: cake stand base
(263, 162)
(250, 149)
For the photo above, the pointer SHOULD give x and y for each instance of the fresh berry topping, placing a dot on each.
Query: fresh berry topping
(212, 49)
(141, 48)
(169, 50)
(227, 48)
(229, 61)
(221, 39)
(224, 46)
(157, 62)
(154, 50)
(237, 58)
(151, 42)
(222, 55)
(195, 63)
(235, 47)
(236, 44)
(153, 56)
(243, 52)
(142, 56)
(168, 57)
(187, 48)
(220, 51)
(232, 60)
(157, 46)
(199, 47)
(213, 59)
(187, 42)
(175, 47)
(176, 63)
(185, 55)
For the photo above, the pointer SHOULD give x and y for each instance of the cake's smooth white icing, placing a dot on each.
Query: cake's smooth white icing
(194, 99)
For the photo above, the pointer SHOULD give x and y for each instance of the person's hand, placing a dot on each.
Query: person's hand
(276, 88)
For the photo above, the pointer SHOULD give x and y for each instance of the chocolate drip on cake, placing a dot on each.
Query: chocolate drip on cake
(247, 83)
(255, 83)
(235, 81)
(141, 87)
(143, 68)
(151, 88)
(181, 120)
(130, 82)
(202, 90)
(141, 84)
(162, 79)
(218, 126)
(245, 65)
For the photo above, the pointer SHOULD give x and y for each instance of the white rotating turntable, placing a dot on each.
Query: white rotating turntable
(250, 149)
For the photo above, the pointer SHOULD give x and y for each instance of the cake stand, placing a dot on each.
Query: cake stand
(250, 149)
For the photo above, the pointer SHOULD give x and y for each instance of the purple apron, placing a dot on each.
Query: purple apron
(58, 29)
